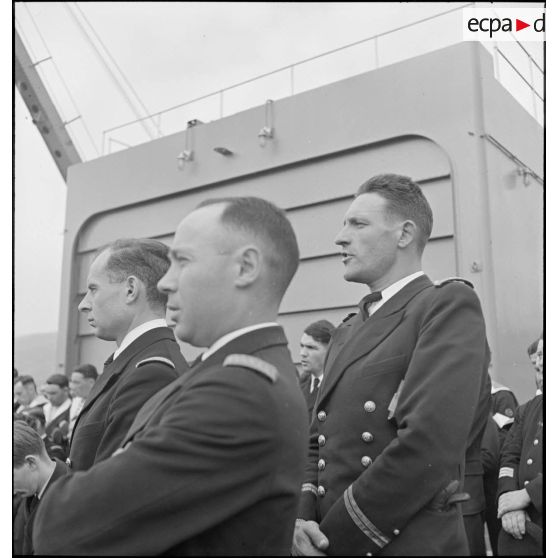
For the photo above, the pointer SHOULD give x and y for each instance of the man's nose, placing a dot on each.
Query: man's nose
(341, 238)
(167, 282)
(84, 305)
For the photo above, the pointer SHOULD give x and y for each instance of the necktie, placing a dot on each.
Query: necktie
(365, 303)
(315, 384)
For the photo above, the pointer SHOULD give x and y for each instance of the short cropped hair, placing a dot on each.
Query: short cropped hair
(321, 331)
(265, 222)
(145, 258)
(532, 348)
(59, 380)
(87, 371)
(404, 199)
(25, 380)
(26, 442)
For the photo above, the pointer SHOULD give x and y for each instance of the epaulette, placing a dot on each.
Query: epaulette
(348, 317)
(441, 282)
(253, 363)
(156, 359)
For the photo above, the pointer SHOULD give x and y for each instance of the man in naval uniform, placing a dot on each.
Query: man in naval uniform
(520, 483)
(405, 393)
(123, 305)
(213, 463)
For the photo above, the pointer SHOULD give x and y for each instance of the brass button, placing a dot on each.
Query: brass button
(370, 406)
(529, 461)
(536, 442)
(69, 462)
(366, 460)
(322, 416)
(369, 554)
(321, 440)
(321, 464)
(396, 532)
(321, 490)
(525, 483)
(367, 437)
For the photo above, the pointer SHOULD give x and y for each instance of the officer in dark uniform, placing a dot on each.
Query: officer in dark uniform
(405, 393)
(213, 463)
(520, 486)
(123, 304)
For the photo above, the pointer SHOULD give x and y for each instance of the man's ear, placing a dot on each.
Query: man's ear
(409, 232)
(32, 461)
(133, 288)
(249, 265)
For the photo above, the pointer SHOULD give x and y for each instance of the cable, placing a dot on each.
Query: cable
(111, 58)
(108, 69)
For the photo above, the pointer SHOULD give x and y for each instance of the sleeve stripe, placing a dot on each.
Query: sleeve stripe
(506, 472)
(361, 521)
(309, 487)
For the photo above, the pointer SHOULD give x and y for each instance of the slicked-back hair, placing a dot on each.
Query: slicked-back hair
(25, 380)
(145, 258)
(532, 348)
(404, 199)
(321, 331)
(59, 380)
(268, 225)
(26, 441)
(87, 371)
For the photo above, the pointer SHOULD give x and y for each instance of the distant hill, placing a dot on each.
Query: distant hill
(35, 354)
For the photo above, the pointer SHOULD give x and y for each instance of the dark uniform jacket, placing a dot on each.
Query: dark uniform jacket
(305, 384)
(212, 465)
(521, 466)
(148, 364)
(23, 523)
(392, 423)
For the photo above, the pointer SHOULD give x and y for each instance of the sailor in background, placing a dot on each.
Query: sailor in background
(213, 463)
(123, 305)
(520, 486)
(405, 393)
(313, 348)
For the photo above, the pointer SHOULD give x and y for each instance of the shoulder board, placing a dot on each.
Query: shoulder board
(348, 317)
(162, 360)
(253, 363)
(441, 282)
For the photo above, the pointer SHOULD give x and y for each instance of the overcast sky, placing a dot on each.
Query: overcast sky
(170, 53)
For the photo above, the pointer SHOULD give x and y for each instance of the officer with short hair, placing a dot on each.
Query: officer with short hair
(405, 394)
(122, 304)
(213, 463)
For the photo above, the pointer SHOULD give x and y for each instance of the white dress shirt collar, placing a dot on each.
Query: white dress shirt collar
(42, 491)
(319, 378)
(133, 334)
(222, 341)
(392, 290)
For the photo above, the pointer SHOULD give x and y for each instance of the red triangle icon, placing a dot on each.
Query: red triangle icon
(519, 25)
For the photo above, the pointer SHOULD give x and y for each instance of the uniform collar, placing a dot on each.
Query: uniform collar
(221, 342)
(392, 290)
(132, 335)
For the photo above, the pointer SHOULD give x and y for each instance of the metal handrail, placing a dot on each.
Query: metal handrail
(291, 67)
(287, 67)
